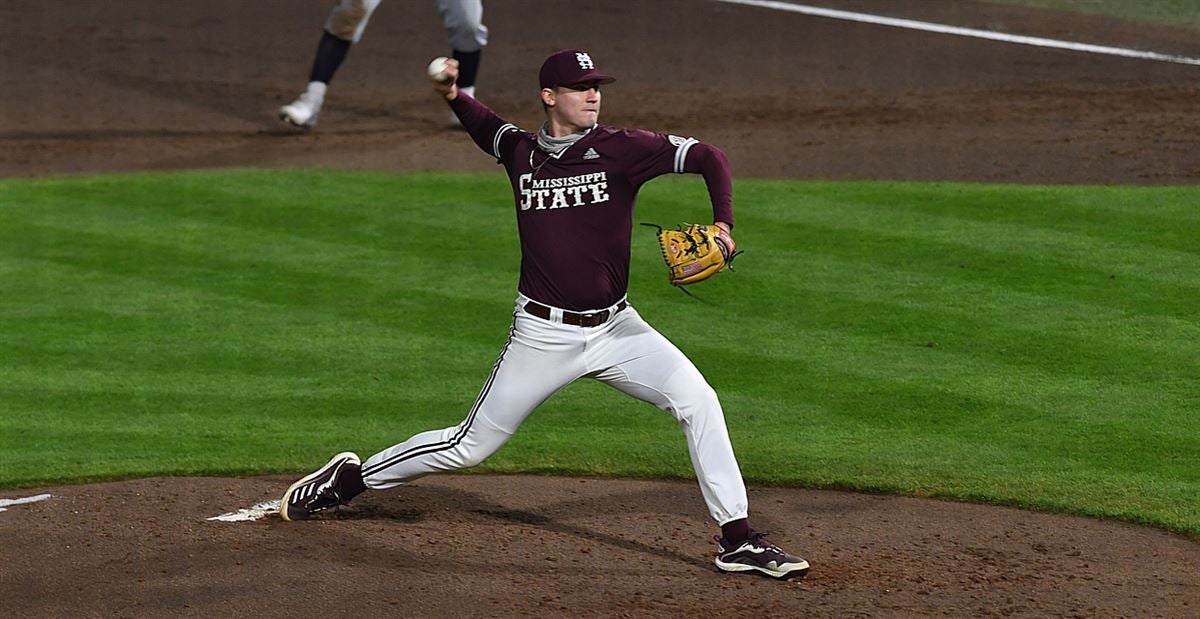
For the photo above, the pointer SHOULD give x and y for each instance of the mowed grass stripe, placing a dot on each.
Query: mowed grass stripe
(1140, 261)
(1023, 274)
(959, 298)
(1078, 398)
(1150, 216)
(285, 243)
(1014, 345)
(1014, 248)
(146, 265)
(948, 340)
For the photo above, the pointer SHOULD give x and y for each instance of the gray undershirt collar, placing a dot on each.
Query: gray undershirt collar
(554, 145)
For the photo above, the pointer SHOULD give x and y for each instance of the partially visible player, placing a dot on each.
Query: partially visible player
(344, 27)
(575, 185)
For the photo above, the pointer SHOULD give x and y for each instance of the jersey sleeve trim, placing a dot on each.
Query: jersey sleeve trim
(500, 134)
(681, 152)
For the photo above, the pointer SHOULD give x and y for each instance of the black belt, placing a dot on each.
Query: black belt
(589, 319)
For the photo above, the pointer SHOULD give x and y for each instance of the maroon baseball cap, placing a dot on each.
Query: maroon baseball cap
(570, 66)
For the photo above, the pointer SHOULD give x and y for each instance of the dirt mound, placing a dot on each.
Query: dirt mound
(483, 545)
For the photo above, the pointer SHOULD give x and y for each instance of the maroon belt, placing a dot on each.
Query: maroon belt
(589, 319)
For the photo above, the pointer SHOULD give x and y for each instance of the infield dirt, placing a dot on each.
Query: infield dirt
(94, 87)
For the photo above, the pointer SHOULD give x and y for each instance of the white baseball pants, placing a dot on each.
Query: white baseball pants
(543, 356)
(463, 20)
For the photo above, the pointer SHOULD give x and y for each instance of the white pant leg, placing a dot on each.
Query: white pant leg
(349, 18)
(631, 356)
(539, 359)
(463, 20)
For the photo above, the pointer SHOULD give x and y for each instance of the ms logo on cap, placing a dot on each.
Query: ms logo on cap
(566, 67)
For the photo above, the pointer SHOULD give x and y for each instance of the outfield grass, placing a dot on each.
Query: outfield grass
(1178, 13)
(1033, 346)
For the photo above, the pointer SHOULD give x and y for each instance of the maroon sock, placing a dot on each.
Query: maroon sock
(351, 485)
(736, 531)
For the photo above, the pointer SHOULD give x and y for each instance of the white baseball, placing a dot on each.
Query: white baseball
(437, 70)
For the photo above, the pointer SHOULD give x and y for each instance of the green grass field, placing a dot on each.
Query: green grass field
(1178, 13)
(1032, 346)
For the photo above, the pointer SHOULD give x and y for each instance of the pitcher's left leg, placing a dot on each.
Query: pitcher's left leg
(637, 360)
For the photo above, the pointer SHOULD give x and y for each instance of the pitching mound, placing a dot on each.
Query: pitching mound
(485, 546)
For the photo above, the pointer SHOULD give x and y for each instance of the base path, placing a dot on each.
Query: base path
(102, 86)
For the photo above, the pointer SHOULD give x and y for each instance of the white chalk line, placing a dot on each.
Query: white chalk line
(255, 512)
(910, 24)
(246, 514)
(6, 503)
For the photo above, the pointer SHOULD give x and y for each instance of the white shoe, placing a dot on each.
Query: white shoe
(302, 112)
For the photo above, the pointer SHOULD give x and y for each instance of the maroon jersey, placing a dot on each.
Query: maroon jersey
(575, 207)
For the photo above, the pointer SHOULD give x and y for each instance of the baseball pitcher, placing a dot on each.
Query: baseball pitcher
(575, 184)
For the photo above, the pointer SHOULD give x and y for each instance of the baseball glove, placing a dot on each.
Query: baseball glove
(694, 252)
